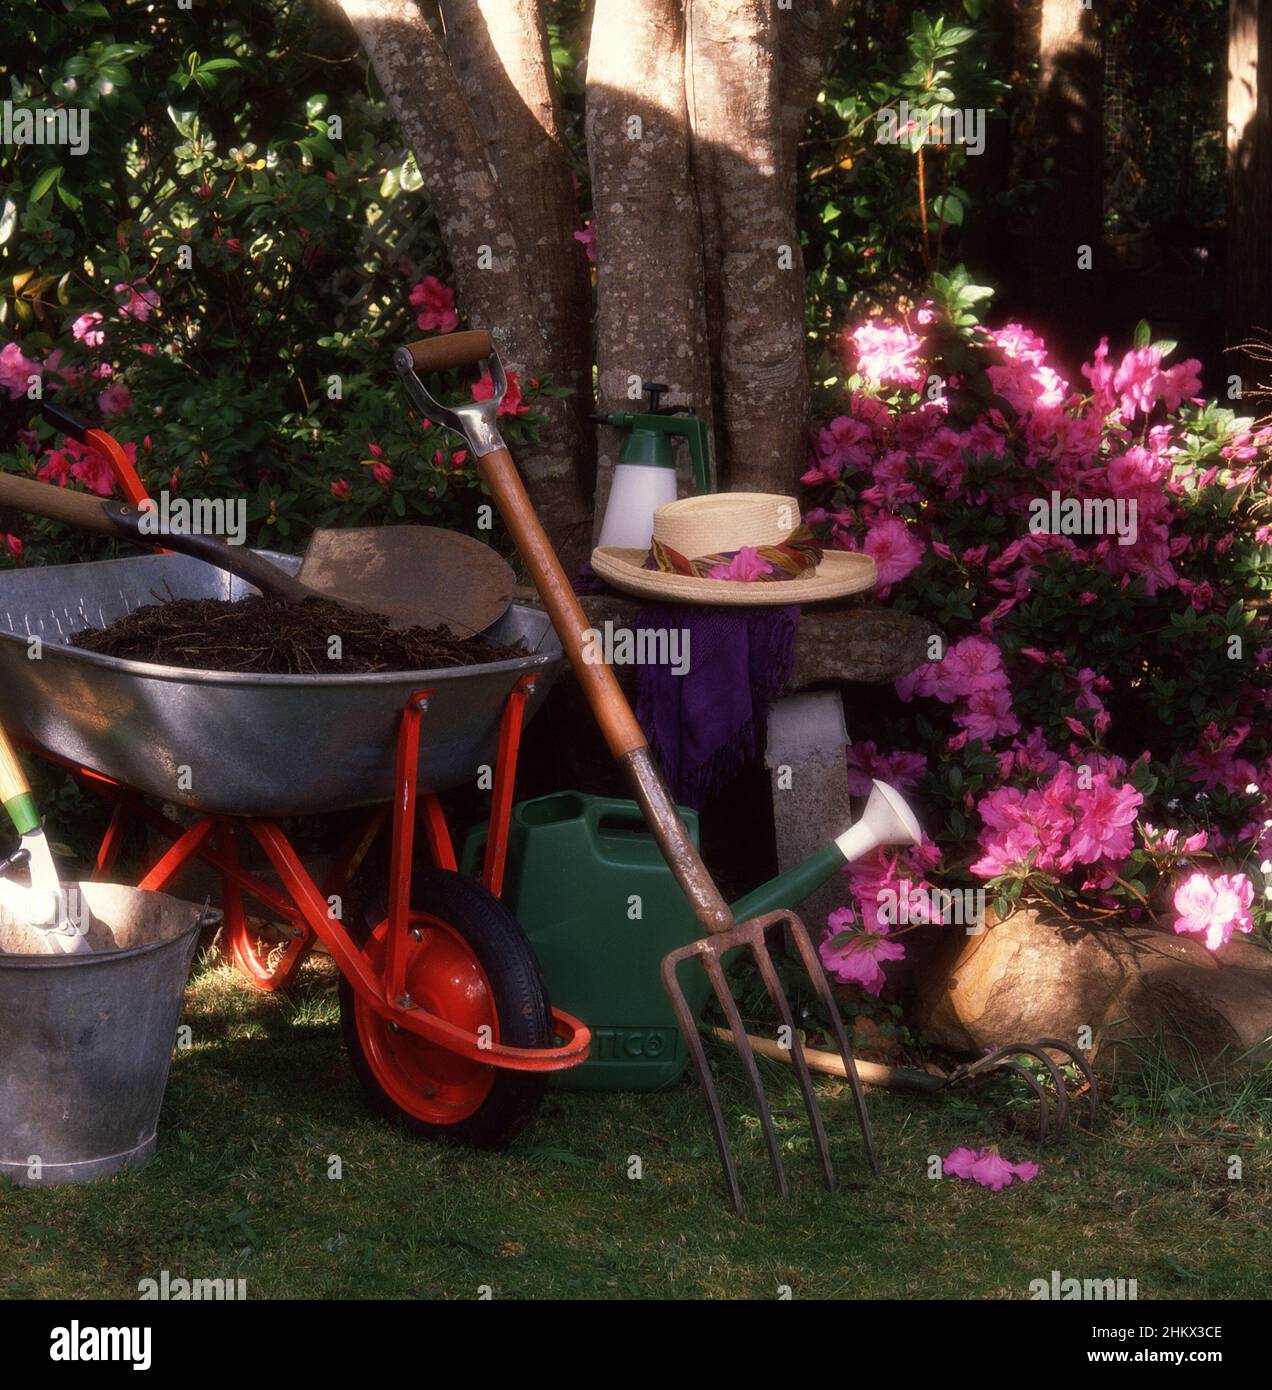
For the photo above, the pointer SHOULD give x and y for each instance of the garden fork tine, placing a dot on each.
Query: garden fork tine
(710, 951)
(478, 422)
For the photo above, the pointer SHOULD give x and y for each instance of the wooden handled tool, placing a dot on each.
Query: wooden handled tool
(477, 421)
(415, 576)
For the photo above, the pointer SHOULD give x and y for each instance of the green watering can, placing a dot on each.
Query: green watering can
(591, 889)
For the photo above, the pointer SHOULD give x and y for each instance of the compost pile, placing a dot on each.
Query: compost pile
(271, 637)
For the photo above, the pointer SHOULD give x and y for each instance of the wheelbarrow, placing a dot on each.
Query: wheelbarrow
(443, 1007)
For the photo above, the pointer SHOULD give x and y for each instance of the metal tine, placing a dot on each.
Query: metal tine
(697, 1054)
(783, 1006)
(1001, 1058)
(1062, 1091)
(1093, 1091)
(1044, 1110)
(715, 973)
(822, 987)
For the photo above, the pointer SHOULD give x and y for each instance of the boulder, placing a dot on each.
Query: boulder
(1031, 976)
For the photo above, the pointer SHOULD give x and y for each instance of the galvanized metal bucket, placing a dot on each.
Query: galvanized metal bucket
(86, 1040)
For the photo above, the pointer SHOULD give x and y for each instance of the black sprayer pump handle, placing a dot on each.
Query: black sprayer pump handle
(655, 390)
(65, 421)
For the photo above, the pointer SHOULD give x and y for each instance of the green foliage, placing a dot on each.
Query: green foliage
(885, 201)
(238, 178)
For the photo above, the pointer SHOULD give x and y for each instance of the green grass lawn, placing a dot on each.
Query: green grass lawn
(256, 1109)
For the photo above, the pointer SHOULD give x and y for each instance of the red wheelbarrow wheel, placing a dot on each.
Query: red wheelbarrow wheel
(468, 962)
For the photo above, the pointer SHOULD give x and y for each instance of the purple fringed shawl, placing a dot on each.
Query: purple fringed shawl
(704, 726)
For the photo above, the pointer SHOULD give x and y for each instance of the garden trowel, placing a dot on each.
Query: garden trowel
(42, 906)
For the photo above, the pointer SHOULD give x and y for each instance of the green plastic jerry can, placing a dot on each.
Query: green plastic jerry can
(590, 887)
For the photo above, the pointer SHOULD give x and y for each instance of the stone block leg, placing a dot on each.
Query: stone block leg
(808, 777)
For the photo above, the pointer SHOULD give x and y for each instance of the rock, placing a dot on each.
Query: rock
(1029, 976)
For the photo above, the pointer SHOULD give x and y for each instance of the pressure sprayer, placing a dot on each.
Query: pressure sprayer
(645, 477)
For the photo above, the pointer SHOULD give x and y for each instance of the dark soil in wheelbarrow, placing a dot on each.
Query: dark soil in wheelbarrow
(270, 637)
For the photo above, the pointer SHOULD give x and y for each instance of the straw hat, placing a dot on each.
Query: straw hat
(698, 534)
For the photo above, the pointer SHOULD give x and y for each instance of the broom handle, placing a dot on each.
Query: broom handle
(622, 733)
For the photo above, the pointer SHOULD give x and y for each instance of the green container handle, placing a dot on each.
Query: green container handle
(619, 812)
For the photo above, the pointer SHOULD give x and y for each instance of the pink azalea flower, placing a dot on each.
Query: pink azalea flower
(988, 1168)
(140, 300)
(866, 764)
(341, 490)
(587, 239)
(436, 303)
(745, 566)
(115, 400)
(382, 473)
(1214, 907)
(894, 548)
(857, 960)
(972, 666)
(14, 545)
(987, 715)
(886, 353)
(484, 389)
(1107, 814)
(16, 370)
(85, 330)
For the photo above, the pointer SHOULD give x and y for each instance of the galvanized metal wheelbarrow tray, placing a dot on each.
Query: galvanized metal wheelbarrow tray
(233, 744)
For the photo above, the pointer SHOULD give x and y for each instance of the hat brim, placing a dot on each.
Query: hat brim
(840, 572)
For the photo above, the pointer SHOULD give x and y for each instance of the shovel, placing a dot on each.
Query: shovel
(415, 576)
(477, 422)
(42, 906)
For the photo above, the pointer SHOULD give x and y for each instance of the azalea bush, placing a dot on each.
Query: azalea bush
(186, 282)
(1091, 731)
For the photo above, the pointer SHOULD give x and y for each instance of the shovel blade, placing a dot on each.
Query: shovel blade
(416, 576)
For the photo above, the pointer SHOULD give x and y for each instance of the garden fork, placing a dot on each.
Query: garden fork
(476, 422)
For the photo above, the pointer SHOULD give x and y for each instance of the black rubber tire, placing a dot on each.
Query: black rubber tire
(520, 997)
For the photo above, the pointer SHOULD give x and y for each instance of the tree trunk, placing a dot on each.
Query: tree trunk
(1249, 178)
(499, 50)
(492, 279)
(743, 165)
(650, 320)
(1070, 132)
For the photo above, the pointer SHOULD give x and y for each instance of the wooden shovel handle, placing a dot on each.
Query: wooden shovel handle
(450, 350)
(76, 509)
(15, 790)
(624, 735)
(87, 513)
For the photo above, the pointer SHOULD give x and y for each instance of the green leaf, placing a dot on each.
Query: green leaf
(1143, 334)
(948, 209)
(46, 181)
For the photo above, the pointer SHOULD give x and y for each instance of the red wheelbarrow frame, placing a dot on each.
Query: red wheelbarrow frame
(304, 906)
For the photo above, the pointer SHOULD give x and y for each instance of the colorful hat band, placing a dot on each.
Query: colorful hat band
(761, 564)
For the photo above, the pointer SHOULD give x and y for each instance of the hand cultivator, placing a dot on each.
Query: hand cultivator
(933, 1081)
(477, 423)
